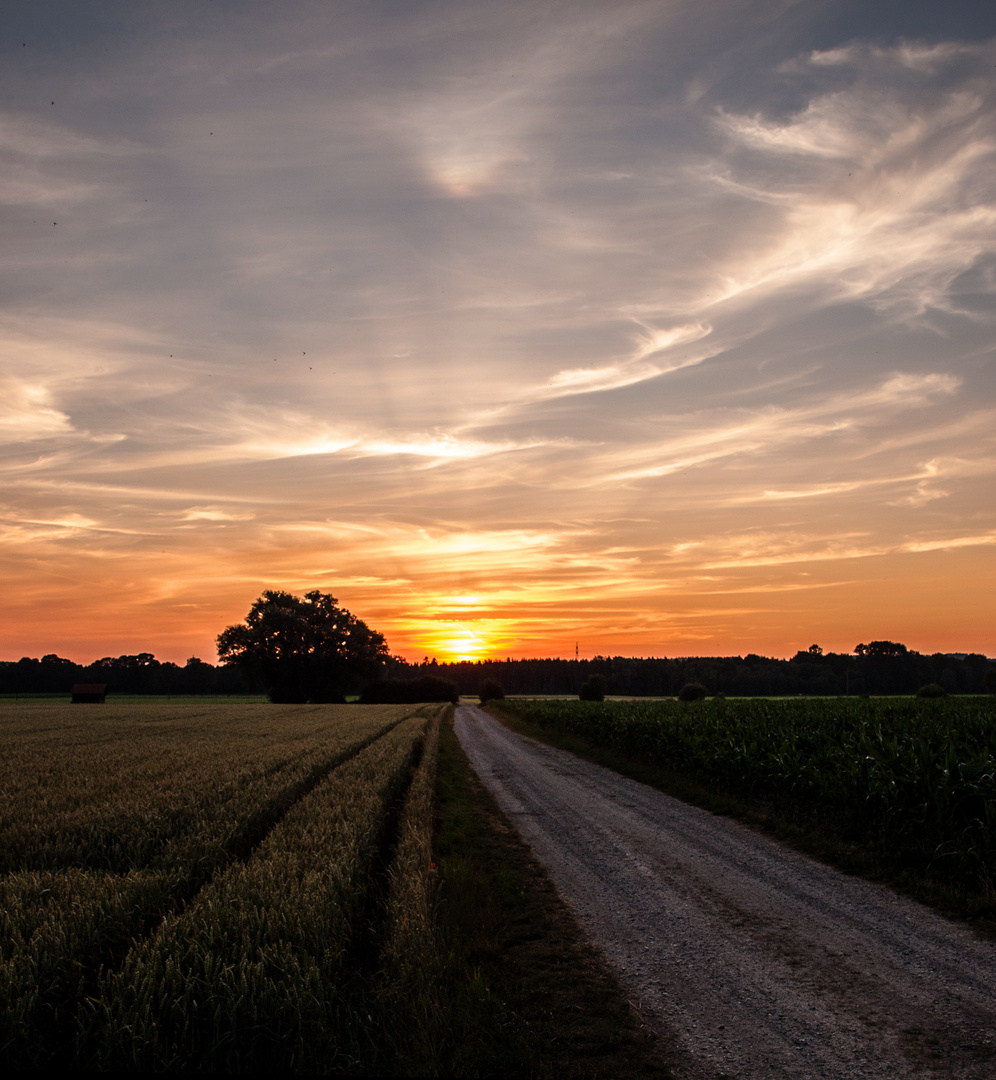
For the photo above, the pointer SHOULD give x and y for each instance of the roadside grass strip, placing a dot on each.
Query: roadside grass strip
(910, 781)
(256, 972)
(518, 990)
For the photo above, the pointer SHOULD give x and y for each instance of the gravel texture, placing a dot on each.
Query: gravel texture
(753, 960)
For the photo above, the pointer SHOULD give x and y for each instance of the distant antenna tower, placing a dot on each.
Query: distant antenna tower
(575, 650)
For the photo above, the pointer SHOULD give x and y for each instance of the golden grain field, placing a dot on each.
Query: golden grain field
(220, 886)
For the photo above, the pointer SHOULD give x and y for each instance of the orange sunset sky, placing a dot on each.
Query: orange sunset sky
(662, 328)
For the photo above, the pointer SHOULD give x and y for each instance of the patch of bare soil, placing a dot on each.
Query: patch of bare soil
(753, 959)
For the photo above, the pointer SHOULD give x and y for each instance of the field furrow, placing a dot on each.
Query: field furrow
(255, 970)
(161, 787)
(61, 925)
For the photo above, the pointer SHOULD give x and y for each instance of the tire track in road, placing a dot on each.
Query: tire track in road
(757, 961)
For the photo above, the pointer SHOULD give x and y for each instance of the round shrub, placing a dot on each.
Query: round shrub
(491, 690)
(932, 689)
(410, 691)
(593, 689)
(693, 691)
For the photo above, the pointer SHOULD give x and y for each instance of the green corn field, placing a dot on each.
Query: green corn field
(911, 777)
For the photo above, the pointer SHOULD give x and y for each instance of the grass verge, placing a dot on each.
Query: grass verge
(521, 991)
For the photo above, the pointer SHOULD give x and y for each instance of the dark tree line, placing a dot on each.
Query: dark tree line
(878, 668)
(138, 674)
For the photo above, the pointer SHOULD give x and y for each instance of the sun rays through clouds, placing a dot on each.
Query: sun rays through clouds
(662, 329)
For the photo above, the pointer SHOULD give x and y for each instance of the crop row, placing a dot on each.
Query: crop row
(913, 778)
(177, 788)
(133, 970)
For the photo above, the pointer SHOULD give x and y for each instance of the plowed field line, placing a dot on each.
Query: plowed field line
(757, 961)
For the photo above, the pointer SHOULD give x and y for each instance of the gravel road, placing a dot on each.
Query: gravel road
(754, 960)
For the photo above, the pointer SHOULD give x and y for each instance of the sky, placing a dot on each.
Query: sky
(632, 328)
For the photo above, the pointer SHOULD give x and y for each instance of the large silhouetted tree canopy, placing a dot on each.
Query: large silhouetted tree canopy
(303, 649)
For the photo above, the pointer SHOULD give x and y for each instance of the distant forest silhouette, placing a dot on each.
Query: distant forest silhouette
(877, 668)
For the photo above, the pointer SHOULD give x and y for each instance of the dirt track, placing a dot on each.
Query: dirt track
(755, 960)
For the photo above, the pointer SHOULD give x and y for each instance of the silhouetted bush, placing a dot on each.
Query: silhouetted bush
(410, 691)
(327, 696)
(593, 689)
(932, 690)
(287, 694)
(693, 691)
(491, 690)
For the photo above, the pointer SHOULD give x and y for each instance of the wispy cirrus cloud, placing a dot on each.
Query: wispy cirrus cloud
(522, 330)
(877, 182)
(772, 428)
(26, 412)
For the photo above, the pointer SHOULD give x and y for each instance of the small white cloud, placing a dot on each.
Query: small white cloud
(213, 513)
(442, 447)
(655, 340)
(950, 543)
(26, 412)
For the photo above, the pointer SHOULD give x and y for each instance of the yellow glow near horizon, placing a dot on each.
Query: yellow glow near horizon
(464, 602)
(463, 644)
(465, 637)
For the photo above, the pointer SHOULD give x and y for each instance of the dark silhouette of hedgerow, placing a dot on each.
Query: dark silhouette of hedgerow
(410, 691)
(692, 691)
(491, 690)
(593, 689)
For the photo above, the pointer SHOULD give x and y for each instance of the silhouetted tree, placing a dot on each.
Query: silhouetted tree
(881, 648)
(491, 690)
(593, 689)
(410, 691)
(303, 649)
(692, 691)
